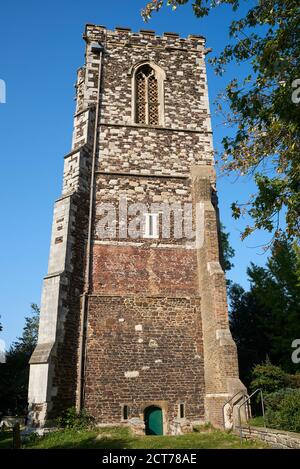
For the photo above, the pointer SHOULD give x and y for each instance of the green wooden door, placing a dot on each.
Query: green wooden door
(153, 421)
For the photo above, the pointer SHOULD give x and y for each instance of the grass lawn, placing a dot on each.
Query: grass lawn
(122, 438)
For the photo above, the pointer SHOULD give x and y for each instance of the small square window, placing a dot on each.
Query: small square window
(151, 229)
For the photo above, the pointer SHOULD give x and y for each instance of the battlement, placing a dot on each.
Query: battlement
(100, 33)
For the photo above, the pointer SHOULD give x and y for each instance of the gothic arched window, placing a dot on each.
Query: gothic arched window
(148, 95)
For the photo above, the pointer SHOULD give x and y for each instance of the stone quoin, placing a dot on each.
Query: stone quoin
(129, 325)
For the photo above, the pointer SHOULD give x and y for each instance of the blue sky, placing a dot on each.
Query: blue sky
(41, 48)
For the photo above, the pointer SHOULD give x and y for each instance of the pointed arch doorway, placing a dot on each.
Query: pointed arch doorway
(153, 418)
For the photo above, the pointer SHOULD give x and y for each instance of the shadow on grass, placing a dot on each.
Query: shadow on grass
(86, 443)
(6, 440)
(81, 440)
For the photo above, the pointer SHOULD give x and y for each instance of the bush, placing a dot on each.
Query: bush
(274, 399)
(269, 378)
(283, 410)
(75, 420)
(31, 439)
(294, 380)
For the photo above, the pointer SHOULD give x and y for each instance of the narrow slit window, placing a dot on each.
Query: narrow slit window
(125, 412)
(151, 225)
(181, 411)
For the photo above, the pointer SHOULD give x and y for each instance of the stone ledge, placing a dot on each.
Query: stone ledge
(156, 127)
(143, 175)
(41, 353)
(85, 146)
(142, 296)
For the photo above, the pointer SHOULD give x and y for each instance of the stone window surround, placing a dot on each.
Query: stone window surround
(160, 76)
(181, 410)
(123, 406)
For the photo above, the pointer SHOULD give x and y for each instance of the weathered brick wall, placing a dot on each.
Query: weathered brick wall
(144, 350)
(131, 269)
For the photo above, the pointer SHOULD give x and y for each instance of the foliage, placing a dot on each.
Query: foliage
(72, 419)
(256, 421)
(265, 320)
(283, 410)
(273, 400)
(14, 373)
(200, 7)
(31, 438)
(269, 378)
(264, 108)
(294, 380)
(227, 250)
(247, 330)
(27, 342)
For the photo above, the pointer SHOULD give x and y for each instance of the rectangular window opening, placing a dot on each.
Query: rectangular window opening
(125, 412)
(181, 411)
(151, 225)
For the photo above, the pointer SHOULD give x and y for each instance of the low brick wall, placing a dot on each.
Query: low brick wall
(275, 438)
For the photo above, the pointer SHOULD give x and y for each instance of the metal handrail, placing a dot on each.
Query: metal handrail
(229, 400)
(246, 402)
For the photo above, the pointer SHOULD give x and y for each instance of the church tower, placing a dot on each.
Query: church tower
(134, 320)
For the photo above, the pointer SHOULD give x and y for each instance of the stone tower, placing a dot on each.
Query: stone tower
(134, 314)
